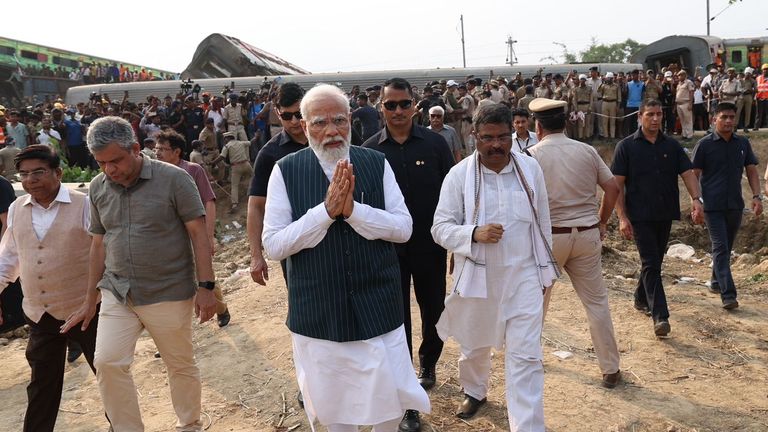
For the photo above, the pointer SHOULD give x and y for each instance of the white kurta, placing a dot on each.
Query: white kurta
(360, 382)
(512, 277)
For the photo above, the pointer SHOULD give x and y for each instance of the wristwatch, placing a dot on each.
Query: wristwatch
(699, 199)
(207, 285)
(757, 197)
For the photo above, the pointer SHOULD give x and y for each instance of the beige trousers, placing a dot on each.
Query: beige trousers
(744, 103)
(685, 114)
(608, 122)
(239, 130)
(237, 173)
(578, 253)
(170, 325)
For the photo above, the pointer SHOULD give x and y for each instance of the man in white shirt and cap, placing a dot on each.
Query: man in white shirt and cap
(493, 215)
(578, 226)
(333, 211)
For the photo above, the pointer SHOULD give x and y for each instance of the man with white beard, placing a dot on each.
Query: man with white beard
(333, 212)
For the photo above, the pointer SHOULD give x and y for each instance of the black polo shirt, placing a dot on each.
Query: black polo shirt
(722, 163)
(650, 171)
(420, 164)
(279, 146)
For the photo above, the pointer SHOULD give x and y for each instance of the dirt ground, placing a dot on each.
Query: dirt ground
(710, 374)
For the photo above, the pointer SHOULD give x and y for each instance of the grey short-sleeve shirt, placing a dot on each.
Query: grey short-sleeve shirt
(148, 251)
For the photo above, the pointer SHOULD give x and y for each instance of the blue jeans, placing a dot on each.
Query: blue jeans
(723, 226)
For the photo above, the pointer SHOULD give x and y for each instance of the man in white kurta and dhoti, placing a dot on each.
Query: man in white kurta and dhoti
(333, 212)
(503, 260)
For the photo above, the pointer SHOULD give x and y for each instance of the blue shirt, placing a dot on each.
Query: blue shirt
(635, 94)
(74, 133)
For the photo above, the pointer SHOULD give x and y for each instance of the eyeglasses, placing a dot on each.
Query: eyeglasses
(403, 104)
(34, 174)
(318, 125)
(504, 139)
(287, 116)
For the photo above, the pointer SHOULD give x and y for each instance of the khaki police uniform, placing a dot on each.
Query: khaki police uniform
(238, 153)
(233, 115)
(610, 93)
(573, 204)
(748, 87)
(684, 102)
(582, 102)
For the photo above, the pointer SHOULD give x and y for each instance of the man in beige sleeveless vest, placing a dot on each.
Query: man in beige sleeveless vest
(47, 245)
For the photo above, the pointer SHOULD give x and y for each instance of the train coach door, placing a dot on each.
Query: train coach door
(754, 56)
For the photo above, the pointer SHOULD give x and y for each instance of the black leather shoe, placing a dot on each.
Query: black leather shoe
(642, 307)
(411, 422)
(730, 304)
(661, 327)
(469, 407)
(427, 377)
(224, 318)
(610, 380)
(714, 289)
(74, 351)
(300, 400)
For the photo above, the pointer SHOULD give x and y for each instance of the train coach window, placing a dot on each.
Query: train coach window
(7, 50)
(736, 57)
(29, 55)
(66, 62)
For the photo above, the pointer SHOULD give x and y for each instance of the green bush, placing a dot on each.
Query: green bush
(77, 174)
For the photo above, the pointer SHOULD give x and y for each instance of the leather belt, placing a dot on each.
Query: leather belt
(609, 100)
(566, 230)
(583, 103)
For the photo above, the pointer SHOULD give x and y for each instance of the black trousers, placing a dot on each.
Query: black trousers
(651, 239)
(669, 119)
(428, 273)
(78, 156)
(46, 355)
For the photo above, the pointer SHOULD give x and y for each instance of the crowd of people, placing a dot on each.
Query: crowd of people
(97, 73)
(363, 197)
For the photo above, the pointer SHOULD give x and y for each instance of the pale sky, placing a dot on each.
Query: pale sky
(330, 36)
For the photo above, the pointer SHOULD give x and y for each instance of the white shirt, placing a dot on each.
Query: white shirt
(217, 121)
(44, 137)
(42, 219)
(520, 144)
(283, 237)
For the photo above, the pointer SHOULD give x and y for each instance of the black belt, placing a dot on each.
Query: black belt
(583, 103)
(609, 100)
(566, 230)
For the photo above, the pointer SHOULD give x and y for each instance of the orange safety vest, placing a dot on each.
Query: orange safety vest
(762, 88)
(2, 136)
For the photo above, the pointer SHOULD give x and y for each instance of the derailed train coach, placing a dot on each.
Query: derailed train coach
(703, 52)
(139, 91)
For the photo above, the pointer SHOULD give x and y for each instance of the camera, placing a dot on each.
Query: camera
(186, 85)
(95, 97)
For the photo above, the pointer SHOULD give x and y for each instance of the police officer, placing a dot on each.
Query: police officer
(578, 227)
(610, 94)
(582, 104)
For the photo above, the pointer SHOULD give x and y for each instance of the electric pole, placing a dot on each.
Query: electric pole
(511, 56)
(463, 53)
(708, 19)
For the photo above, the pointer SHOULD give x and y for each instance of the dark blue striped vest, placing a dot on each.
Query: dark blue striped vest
(346, 288)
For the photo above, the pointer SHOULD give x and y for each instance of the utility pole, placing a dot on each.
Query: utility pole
(708, 19)
(463, 53)
(511, 56)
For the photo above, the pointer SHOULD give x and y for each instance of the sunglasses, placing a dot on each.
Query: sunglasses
(403, 104)
(287, 116)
